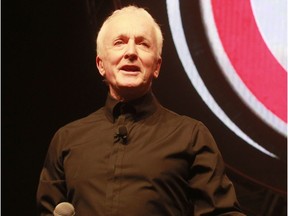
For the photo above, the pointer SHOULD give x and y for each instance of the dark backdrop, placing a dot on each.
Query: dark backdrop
(49, 78)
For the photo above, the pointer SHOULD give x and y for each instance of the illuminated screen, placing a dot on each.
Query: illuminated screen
(236, 60)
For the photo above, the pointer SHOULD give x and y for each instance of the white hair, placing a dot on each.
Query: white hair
(129, 9)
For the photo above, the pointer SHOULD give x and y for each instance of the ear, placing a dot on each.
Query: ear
(100, 66)
(157, 69)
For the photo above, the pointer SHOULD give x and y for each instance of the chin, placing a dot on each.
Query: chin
(129, 86)
(132, 84)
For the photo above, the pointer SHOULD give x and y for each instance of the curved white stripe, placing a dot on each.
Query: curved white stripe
(178, 35)
(271, 19)
(235, 81)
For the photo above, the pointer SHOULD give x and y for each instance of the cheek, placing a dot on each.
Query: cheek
(152, 66)
(109, 67)
(114, 57)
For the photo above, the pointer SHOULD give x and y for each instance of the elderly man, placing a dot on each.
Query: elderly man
(134, 157)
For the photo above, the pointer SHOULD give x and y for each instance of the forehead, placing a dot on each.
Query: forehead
(130, 24)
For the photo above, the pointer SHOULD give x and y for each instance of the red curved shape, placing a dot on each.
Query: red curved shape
(250, 56)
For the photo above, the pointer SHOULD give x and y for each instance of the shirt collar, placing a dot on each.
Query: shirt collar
(138, 108)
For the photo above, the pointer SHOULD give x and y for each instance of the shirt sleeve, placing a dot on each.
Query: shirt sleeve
(52, 185)
(211, 191)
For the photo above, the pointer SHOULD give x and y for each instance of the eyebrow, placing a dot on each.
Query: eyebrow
(136, 37)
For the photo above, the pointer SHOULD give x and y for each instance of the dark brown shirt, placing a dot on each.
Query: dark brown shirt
(136, 159)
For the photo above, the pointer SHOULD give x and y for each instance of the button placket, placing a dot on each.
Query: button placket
(115, 164)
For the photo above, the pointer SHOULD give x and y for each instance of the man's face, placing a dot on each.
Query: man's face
(129, 59)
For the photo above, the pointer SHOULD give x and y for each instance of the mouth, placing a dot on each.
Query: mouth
(130, 68)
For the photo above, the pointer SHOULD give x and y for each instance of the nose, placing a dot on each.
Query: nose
(131, 51)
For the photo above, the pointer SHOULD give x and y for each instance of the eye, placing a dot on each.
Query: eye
(118, 42)
(144, 44)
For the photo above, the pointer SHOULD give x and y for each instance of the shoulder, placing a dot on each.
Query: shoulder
(84, 123)
(186, 123)
(183, 119)
(79, 130)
